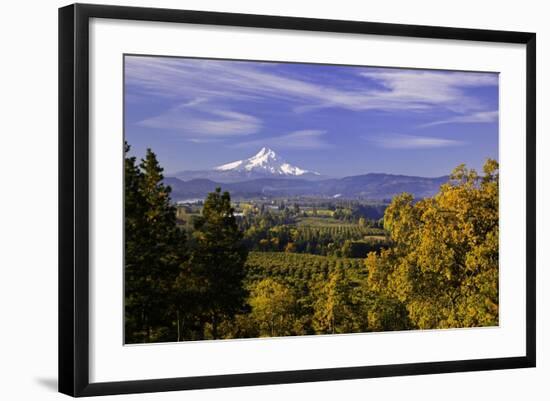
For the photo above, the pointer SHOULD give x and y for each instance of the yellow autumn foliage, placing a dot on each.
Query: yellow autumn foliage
(443, 262)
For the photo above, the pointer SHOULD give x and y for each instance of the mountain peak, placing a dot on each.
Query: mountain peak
(266, 162)
(265, 151)
(265, 155)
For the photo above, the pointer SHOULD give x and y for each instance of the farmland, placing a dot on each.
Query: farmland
(306, 226)
(262, 267)
(291, 267)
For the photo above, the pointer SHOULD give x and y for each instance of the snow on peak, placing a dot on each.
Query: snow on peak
(265, 158)
(229, 166)
(266, 161)
(264, 152)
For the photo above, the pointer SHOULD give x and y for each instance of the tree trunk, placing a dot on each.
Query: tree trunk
(178, 323)
(214, 327)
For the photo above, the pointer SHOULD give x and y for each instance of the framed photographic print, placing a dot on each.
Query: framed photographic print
(249, 199)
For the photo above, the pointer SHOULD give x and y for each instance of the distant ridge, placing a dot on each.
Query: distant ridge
(368, 186)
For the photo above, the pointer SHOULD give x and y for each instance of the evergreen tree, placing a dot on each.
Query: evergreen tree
(218, 259)
(134, 225)
(155, 252)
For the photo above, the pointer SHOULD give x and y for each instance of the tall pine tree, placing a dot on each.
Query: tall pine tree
(155, 252)
(218, 258)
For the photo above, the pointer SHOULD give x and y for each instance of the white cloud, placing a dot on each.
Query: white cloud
(303, 139)
(389, 89)
(399, 141)
(479, 117)
(197, 118)
(431, 88)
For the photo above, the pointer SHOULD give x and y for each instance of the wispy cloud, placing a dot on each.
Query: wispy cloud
(399, 141)
(303, 139)
(382, 89)
(431, 88)
(197, 119)
(479, 117)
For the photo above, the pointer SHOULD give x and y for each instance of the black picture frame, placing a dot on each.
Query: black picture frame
(74, 198)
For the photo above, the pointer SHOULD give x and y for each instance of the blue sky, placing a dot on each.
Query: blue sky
(338, 120)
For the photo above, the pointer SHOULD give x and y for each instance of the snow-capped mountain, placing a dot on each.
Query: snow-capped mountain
(266, 161)
(264, 164)
(266, 174)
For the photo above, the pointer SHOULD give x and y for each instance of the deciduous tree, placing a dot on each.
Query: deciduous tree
(443, 263)
(273, 307)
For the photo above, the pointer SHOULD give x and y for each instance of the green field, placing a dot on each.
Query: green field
(290, 267)
(341, 231)
(321, 222)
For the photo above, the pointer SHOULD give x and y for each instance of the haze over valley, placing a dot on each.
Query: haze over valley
(268, 174)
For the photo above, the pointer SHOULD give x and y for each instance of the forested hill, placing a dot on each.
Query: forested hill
(368, 186)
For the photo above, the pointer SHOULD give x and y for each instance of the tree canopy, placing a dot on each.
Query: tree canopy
(443, 262)
(217, 258)
(154, 251)
(433, 265)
